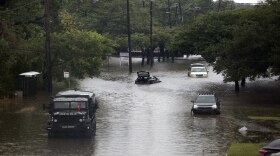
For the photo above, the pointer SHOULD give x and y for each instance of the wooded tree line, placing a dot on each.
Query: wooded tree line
(240, 43)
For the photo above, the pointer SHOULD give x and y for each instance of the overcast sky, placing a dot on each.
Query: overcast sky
(246, 1)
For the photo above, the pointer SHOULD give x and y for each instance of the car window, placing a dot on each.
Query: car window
(198, 69)
(205, 99)
(61, 105)
(68, 105)
(75, 105)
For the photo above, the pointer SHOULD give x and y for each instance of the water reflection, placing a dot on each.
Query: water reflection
(145, 119)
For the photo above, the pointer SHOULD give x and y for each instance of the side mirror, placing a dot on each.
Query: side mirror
(192, 101)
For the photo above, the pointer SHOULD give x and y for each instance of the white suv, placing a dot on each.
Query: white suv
(197, 70)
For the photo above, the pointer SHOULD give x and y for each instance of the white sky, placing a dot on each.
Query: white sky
(247, 1)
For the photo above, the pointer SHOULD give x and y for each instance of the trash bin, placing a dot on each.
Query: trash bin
(27, 83)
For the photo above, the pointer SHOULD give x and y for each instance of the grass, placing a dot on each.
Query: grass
(277, 125)
(27, 109)
(244, 149)
(272, 118)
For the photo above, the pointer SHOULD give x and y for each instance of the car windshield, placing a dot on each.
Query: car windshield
(70, 105)
(274, 144)
(205, 99)
(198, 69)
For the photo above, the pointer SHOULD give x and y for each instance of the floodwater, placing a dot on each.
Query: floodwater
(137, 120)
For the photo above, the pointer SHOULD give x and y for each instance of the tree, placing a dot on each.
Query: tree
(239, 43)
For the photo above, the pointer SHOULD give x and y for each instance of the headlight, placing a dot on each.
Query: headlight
(214, 106)
(55, 120)
(195, 106)
(80, 120)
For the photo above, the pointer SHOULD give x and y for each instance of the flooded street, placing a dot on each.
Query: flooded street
(137, 120)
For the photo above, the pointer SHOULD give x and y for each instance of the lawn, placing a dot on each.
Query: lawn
(272, 118)
(244, 149)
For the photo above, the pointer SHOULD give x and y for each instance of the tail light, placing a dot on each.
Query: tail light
(262, 151)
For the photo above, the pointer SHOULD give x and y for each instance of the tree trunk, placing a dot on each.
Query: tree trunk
(143, 57)
(148, 56)
(161, 50)
(163, 56)
(167, 53)
(152, 57)
(236, 85)
(243, 82)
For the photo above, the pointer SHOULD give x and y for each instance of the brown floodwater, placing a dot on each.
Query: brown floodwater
(136, 120)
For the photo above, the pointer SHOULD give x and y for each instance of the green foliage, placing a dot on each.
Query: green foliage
(139, 41)
(22, 42)
(241, 43)
(79, 52)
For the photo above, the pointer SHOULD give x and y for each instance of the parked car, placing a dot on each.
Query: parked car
(206, 103)
(144, 77)
(273, 148)
(197, 70)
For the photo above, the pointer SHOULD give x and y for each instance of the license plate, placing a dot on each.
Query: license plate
(68, 126)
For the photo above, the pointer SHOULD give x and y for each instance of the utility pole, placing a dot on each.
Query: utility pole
(128, 38)
(219, 5)
(47, 45)
(151, 33)
(180, 10)
(176, 14)
(169, 14)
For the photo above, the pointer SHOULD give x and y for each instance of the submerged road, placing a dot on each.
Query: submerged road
(137, 120)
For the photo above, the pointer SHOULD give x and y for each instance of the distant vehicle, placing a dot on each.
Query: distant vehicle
(196, 57)
(197, 70)
(273, 148)
(72, 111)
(206, 103)
(145, 78)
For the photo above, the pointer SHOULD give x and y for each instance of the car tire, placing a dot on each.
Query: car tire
(89, 133)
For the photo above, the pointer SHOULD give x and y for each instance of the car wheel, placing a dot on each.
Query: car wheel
(89, 133)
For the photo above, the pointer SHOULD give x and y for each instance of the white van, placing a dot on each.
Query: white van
(197, 70)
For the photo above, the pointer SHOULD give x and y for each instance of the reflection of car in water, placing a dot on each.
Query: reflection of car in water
(197, 70)
(206, 103)
(270, 149)
(145, 78)
(72, 112)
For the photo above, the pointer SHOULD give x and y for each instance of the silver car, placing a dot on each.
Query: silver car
(206, 103)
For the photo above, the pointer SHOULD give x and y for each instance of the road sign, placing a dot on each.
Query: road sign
(66, 74)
